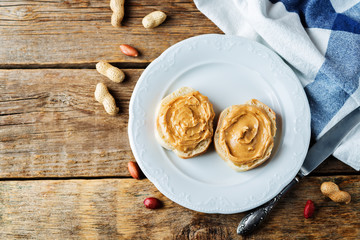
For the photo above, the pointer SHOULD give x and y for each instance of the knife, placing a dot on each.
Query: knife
(320, 151)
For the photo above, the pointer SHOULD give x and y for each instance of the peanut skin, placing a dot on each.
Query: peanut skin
(309, 209)
(332, 191)
(117, 6)
(113, 73)
(128, 50)
(103, 96)
(134, 170)
(152, 203)
(153, 19)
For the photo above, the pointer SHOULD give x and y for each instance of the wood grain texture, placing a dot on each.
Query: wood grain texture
(333, 166)
(113, 209)
(51, 126)
(69, 32)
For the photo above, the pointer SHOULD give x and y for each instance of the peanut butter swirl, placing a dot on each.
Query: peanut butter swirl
(186, 121)
(246, 134)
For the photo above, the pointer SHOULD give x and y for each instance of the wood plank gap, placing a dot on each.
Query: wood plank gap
(90, 65)
(337, 175)
(63, 178)
(321, 174)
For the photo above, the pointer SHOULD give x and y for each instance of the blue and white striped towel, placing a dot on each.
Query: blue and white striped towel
(319, 39)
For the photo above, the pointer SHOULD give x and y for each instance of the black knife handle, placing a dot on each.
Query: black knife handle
(255, 218)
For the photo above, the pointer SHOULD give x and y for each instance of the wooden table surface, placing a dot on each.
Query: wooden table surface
(63, 160)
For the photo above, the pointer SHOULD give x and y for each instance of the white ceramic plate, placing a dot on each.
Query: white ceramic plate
(229, 70)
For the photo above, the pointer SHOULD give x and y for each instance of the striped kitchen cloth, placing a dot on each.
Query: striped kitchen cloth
(319, 39)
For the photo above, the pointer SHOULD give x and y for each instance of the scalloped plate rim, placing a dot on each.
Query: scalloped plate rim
(154, 180)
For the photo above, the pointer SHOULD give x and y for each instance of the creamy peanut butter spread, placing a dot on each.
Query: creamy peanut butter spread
(186, 121)
(246, 134)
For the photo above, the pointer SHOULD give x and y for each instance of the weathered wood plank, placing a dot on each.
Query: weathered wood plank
(333, 166)
(77, 32)
(51, 126)
(113, 209)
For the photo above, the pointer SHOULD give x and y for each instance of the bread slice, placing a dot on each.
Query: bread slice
(160, 137)
(252, 164)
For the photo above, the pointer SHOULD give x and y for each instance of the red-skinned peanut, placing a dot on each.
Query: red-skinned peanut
(309, 209)
(152, 203)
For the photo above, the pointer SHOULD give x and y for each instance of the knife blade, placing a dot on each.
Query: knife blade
(327, 144)
(320, 151)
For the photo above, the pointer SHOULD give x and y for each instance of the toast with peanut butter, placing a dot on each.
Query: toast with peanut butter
(244, 137)
(184, 122)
